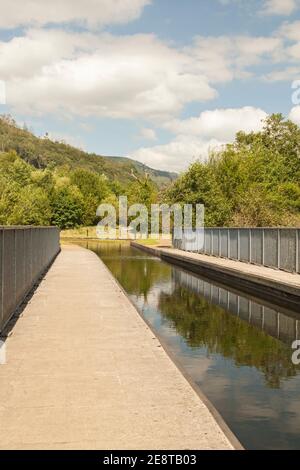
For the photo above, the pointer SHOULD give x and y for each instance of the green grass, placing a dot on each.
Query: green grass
(81, 232)
(154, 242)
(90, 233)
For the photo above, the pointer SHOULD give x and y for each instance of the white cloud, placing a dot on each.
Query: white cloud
(176, 155)
(269, 7)
(222, 124)
(279, 7)
(2, 92)
(196, 137)
(286, 74)
(68, 73)
(290, 31)
(224, 58)
(148, 134)
(92, 13)
(295, 115)
(83, 74)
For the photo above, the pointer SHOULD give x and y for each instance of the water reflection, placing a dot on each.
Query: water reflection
(237, 349)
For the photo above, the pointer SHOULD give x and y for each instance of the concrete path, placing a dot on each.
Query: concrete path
(84, 371)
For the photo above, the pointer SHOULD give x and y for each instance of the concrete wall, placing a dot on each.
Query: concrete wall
(277, 248)
(25, 252)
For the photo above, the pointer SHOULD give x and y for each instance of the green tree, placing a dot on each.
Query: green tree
(67, 207)
(253, 181)
(32, 207)
(94, 189)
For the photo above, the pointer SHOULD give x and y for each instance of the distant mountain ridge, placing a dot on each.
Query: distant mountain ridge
(42, 152)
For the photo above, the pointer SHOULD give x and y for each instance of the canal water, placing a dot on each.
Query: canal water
(237, 349)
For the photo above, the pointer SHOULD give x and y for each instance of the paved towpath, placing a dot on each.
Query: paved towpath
(284, 282)
(84, 371)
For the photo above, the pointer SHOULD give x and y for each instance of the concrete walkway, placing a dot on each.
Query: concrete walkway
(84, 371)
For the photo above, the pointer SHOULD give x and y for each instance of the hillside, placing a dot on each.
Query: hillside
(42, 152)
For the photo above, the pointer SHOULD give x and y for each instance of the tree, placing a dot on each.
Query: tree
(31, 208)
(67, 207)
(199, 185)
(253, 181)
(93, 188)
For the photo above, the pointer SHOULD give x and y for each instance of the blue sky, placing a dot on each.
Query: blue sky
(162, 81)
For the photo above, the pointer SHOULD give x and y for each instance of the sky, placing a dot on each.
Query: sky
(161, 81)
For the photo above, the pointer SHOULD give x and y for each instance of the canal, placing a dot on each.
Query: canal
(237, 349)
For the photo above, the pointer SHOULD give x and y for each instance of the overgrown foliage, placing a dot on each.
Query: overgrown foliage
(253, 182)
(42, 152)
(52, 196)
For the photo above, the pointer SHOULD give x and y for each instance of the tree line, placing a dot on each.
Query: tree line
(254, 181)
(59, 196)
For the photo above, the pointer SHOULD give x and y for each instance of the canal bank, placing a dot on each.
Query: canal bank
(280, 287)
(84, 371)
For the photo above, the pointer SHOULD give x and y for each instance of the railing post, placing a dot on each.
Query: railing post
(228, 243)
(263, 247)
(297, 251)
(278, 248)
(1, 278)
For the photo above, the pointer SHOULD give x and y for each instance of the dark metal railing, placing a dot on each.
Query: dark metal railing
(277, 248)
(25, 253)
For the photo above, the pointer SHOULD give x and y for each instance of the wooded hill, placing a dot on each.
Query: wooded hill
(43, 152)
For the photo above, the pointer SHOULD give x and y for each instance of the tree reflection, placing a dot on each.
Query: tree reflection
(136, 272)
(203, 324)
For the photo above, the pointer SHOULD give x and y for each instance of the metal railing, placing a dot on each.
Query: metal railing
(277, 248)
(25, 252)
(274, 322)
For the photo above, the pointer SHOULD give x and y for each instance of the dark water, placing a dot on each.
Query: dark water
(237, 349)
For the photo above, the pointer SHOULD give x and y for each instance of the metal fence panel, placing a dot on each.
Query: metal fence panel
(298, 251)
(215, 242)
(224, 243)
(25, 252)
(271, 248)
(233, 244)
(207, 242)
(28, 257)
(244, 245)
(257, 246)
(288, 249)
(9, 273)
(20, 265)
(1, 278)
